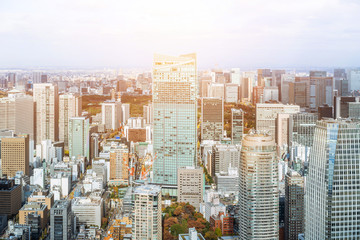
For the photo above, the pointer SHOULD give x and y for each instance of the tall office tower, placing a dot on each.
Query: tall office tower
(320, 89)
(299, 91)
(204, 87)
(79, 137)
(69, 106)
(17, 113)
(61, 221)
(261, 75)
(217, 90)
(119, 163)
(14, 155)
(354, 80)
(212, 118)
(282, 132)
(237, 125)
(294, 205)
(354, 110)
(259, 183)
(47, 112)
(271, 94)
(236, 76)
(223, 157)
(258, 95)
(44, 78)
(148, 113)
(341, 106)
(286, 80)
(231, 93)
(125, 112)
(341, 82)
(333, 182)
(175, 115)
(276, 78)
(111, 114)
(266, 114)
(147, 212)
(302, 127)
(36, 77)
(12, 79)
(191, 186)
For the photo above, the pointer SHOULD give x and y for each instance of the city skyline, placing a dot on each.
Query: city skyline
(245, 33)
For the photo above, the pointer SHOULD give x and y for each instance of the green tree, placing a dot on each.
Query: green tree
(218, 232)
(177, 229)
(210, 235)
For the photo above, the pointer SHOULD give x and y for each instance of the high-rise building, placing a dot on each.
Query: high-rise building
(354, 110)
(276, 78)
(212, 118)
(286, 80)
(261, 75)
(341, 106)
(301, 128)
(282, 132)
(235, 76)
(36, 78)
(148, 113)
(15, 155)
(258, 196)
(61, 220)
(258, 94)
(125, 109)
(217, 90)
(79, 137)
(294, 205)
(333, 182)
(88, 210)
(299, 92)
(34, 207)
(341, 82)
(223, 157)
(266, 114)
(111, 114)
(10, 197)
(175, 115)
(354, 80)
(69, 106)
(147, 212)
(237, 125)
(17, 113)
(271, 94)
(231, 93)
(47, 112)
(119, 163)
(191, 186)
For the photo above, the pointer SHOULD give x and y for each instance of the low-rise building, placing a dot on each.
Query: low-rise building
(34, 207)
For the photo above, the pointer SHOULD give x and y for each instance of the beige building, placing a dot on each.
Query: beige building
(190, 183)
(34, 207)
(17, 113)
(266, 114)
(147, 212)
(46, 197)
(119, 162)
(259, 188)
(47, 112)
(15, 155)
(69, 106)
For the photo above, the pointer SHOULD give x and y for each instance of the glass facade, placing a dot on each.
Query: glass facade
(174, 115)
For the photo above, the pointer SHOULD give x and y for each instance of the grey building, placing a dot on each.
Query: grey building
(237, 125)
(212, 118)
(61, 221)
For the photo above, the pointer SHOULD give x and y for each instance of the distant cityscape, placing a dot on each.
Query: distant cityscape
(180, 153)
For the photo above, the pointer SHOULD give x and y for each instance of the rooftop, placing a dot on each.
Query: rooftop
(147, 189)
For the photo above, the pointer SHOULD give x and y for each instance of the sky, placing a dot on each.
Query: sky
(126, 34)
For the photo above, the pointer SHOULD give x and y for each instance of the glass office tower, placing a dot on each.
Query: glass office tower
(174, 115)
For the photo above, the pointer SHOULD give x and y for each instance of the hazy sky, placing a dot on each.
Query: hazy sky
(116, 33)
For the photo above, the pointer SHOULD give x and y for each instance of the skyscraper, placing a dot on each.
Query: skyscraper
(212, 118)
(125, 109)
(175, 115)
(79, 137)
(111, 114)
(258, 197)
(237, 125)
(69, 106)
(14, 155)
(47, 111)
(294, 205)
(332, 185)
(147, 212)
(17, 113)
(119, 163)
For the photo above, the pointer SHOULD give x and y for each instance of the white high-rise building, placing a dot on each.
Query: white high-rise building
(332, 185)
(69, 106)
(354, 78)
(147, 212)
(79, 137)
(231, 93)
(125, 108)
(47, 111)
(259, 188)
(111, 114)
(191, 186)
(235, 76)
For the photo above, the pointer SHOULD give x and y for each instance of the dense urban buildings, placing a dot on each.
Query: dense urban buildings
(212, 118)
